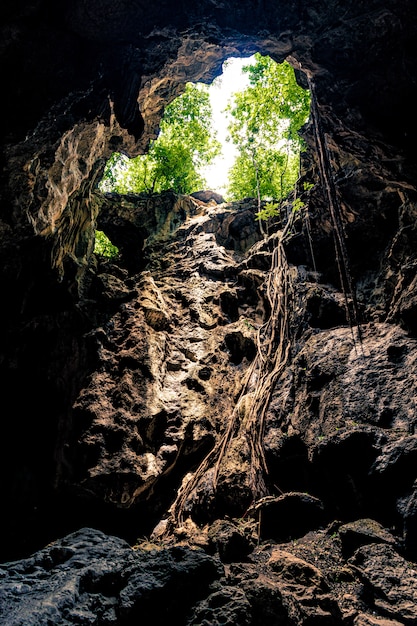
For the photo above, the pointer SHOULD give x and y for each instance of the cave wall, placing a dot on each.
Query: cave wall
(85, 80)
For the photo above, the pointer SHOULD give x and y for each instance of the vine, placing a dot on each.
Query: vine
(329, 185)
(272, 356)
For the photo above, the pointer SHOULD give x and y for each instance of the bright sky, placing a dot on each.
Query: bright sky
(221, 90)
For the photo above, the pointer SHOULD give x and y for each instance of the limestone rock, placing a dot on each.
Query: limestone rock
(230, 542)
(208, 196)
(228, 606)
(124, 381)
(291, 568)
(74, 581)
(361, 532)
(391, 579)
(286, 588)
(364, 619)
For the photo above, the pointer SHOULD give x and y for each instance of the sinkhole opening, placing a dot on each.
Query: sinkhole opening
(238, 136)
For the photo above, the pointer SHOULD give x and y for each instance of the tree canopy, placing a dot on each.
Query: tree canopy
(265, 120)
(175, 159)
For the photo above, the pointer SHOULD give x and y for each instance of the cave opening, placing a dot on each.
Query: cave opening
(239, 136)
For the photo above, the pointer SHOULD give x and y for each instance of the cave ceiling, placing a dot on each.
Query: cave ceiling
(79, 51)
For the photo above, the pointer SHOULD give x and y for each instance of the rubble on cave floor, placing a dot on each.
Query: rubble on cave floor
(92, 578)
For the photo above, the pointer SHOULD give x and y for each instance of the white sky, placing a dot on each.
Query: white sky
(231, 81)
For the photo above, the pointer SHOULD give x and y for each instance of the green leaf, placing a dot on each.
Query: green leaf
(297, 205)
(271, 209)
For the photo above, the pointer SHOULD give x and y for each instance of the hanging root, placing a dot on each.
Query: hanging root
(273, 345)
(329, 186)
(272, 356)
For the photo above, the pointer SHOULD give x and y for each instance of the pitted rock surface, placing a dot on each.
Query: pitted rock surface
(92, 578)
(171, 346)
(73, 582)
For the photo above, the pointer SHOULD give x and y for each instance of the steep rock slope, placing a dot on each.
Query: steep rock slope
(172, 370)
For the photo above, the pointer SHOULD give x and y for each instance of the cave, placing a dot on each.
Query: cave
(128, 411)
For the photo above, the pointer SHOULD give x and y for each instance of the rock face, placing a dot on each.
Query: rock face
(171, 341)
(72, 582)
(233, 398)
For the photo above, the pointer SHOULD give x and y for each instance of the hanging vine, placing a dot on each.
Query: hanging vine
(329, 186)
(272, 356)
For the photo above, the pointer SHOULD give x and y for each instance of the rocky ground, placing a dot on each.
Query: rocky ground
(345, 574)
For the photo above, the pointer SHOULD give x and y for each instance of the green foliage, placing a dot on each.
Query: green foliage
(308, 186)
(265, 120)
(174, 161)
(297, 205)
(104, 246)
(271, 209)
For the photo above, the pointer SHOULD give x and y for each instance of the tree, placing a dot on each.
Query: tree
(174, 160)
(265, 120)
(103, 246)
